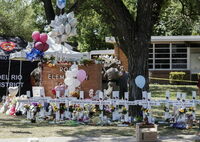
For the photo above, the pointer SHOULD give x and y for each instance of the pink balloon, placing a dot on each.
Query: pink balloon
(39, 46)
(45, 47)
(43, 37)
(81, 75)
(36, 36)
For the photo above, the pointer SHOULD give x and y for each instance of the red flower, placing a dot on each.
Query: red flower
(53, 91)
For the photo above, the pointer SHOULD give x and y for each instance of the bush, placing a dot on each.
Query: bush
(176, 76)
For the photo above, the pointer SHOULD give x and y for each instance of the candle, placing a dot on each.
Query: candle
(178, 95)
(167, 94)
(194, 93)
(144, 95)
(126, 95)
(183, 96)
(149, 95)
(57, 94)
(100, 95)
(28, 93)
(66, 93)
(81, 95)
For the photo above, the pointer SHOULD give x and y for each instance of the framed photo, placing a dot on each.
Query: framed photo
(38, 91)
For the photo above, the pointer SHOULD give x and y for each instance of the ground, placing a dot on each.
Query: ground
(19, 127)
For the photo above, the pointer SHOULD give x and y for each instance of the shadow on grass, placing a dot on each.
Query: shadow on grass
(97, 132)
(166, 130)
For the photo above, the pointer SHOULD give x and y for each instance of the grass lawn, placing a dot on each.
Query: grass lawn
(18, 127)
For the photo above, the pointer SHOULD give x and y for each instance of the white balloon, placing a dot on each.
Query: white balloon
(69, 74)
(53, 33)
(73, 22)
(64, 38)
(73, 32)
(67, 29)
(77, 83)
(53, 24)
(74, 72)
(71, 88)
(74, 66)
(58, 40)
(69, 81)
(61, 29)
(70, 15)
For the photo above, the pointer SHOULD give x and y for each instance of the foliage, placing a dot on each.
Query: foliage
(16, 18)
(173, 76)
(179, 17)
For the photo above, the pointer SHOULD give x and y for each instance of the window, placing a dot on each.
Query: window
(166, 56)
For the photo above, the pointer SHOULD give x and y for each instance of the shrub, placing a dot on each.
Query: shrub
(173, 76)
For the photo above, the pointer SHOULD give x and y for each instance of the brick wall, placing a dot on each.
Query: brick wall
(52, 76)
(122, 57)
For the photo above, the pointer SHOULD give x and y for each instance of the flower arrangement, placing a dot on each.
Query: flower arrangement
(166, 109)
(26, 106)
(79, 109)
(182, 110)
(145, 110)
(74, 94)
(124, 110)
(62, 108)
(112, 108)
(192, 109)
(55, 108)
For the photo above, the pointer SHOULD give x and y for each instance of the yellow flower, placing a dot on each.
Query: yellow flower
(40, 105)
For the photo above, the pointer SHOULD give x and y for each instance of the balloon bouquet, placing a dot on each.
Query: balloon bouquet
(40, 46)
(63, 26)
(74, 78)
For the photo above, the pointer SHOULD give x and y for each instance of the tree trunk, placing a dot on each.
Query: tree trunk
(138, 65)
(50, 14)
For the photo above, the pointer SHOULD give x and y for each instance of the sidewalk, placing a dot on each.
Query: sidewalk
(179, 138)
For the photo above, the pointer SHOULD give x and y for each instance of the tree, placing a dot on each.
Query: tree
(179, 17)
(132, 23)
(16, 18)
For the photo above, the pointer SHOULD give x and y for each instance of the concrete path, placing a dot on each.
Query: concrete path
(178, 138)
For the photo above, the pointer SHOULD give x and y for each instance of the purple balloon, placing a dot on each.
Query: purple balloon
(81, 75)
(39, 46)
(45, 47)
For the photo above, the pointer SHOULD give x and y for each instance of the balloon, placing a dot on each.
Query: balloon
(64, 38)
(45, 47)
(73, 32)
(43, 37)
(61, 3)
(68, 81)
(67, 29)
(73, 22)
(76, 83)
(70, 15)
(81, 75)
(39, 46)
(61, 29)
(140, 81)
(36, 36)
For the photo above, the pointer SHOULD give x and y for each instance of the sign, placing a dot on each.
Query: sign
(53, 76)
(15, 79)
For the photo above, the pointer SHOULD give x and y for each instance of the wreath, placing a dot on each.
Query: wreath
(7, 46)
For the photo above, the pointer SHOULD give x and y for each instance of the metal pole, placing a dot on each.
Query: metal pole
(8, 77)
